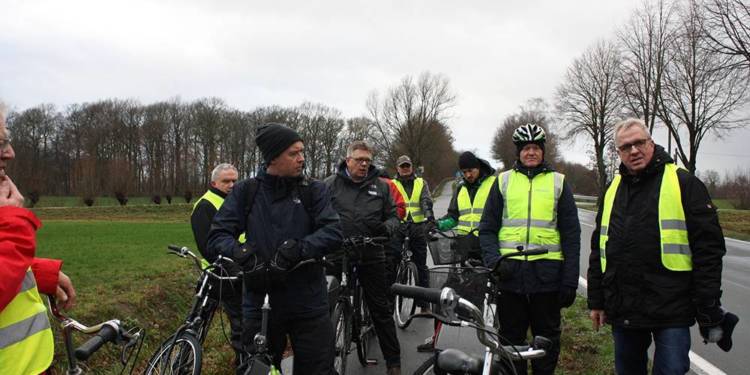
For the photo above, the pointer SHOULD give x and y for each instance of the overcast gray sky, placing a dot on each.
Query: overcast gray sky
(497, 54)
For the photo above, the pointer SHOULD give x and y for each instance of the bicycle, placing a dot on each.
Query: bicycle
(105, 332)
(407, 273)
(182, 352)
(497, 358)
(351, 303)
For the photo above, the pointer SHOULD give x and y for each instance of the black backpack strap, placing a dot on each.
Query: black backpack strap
(306, 196)
(252, 191)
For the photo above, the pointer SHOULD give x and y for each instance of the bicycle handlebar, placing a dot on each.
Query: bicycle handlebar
(185, 252)
(449, 300)
(108, 333)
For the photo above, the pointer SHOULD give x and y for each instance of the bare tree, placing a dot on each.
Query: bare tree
(535, 111)
(406, 115)
(701, 89)
(644, 40)
(727, 26)
(589, 103)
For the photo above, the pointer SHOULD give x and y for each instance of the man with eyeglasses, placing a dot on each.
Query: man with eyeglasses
(26, 343)
(419, 212)
(223, 178)
(656, 259)
(366, 208)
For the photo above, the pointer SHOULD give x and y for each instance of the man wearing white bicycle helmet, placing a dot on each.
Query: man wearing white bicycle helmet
(532, 207)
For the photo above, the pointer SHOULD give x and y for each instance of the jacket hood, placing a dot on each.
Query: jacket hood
(372, 173)
(532, 172)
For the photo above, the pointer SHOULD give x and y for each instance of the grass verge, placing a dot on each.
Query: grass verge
(584, 351)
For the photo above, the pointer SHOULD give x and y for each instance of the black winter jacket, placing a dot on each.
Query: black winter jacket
(540, 275)
(200, 220)
(364, 207)
(277, 215)
(637, 290)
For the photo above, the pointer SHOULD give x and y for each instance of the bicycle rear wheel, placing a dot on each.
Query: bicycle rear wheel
(427, 367)
(405, 307)
(182, 356)
(342, 324)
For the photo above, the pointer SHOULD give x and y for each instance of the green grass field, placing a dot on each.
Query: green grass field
(68, 201)
(118, 262)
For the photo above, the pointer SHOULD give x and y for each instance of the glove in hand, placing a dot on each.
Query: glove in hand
(242, 256)
(566, 296)
(288, 254)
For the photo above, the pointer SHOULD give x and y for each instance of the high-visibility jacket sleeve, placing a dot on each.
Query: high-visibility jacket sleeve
(17, 248)
(398, 199)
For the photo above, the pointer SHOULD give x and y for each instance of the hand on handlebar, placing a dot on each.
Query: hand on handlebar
(598, 318)
(66, 293)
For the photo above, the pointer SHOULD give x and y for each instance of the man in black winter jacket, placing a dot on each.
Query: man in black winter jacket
(223, 178)
(283, 227)
(532, 207)
(366, 208)
(656, 257)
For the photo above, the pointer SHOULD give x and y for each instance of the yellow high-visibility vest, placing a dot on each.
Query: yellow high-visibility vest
(675, 247)
(413, 208)
(216, 200)
(470, 213)
(529, 217)
(26, 344)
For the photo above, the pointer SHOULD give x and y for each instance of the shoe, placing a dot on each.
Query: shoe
(395, 370)
(427, 347)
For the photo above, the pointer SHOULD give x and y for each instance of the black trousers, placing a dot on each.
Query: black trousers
(541, 313)
(312, 341)
(373, 279)
(231, 303)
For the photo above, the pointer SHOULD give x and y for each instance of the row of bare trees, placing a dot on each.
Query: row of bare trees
(683, 65)
(122, 147)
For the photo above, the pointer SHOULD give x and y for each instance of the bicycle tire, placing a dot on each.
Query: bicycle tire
(362, 315)
(342, 324)
(181, 357)
(404, 307)
(427, 367)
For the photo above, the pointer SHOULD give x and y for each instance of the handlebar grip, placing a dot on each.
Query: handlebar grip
(379, 239)
(174, 247)
(107, 334)
(431, 295)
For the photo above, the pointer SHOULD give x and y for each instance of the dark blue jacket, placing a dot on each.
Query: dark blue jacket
(277, 215)
(539, 275)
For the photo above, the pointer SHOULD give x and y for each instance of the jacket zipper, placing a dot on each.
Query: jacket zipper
(528, 215)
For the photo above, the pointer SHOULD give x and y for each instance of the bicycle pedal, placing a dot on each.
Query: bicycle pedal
(372, 362)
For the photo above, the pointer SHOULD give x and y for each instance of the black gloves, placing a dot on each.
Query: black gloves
(242, 256)
(378, 229)
(566, 296)
(431, 225)
(288, 254)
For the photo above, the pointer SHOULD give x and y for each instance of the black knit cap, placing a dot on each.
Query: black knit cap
(272, 139)
(468, 160)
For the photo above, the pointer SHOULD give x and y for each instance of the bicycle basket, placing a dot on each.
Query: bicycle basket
(446, 251)
(468, 283)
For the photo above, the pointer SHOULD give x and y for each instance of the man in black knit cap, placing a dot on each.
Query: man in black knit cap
(287, 219)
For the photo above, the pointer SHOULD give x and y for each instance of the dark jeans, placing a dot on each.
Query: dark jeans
(312, 341)
(540, 312)
(670, 354)
(373, 279)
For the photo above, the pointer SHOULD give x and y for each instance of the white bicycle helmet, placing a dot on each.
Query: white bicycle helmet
(528, 133)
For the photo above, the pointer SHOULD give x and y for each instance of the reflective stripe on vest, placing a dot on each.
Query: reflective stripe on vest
(413, 208)
(26, 344)
(675, 246)
(529, 217)
(470, 213)
(216, 200)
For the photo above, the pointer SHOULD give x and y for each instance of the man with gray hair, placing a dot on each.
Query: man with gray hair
(223, 178)
(656, 259)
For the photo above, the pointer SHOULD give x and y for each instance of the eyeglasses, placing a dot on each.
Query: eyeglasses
(639, 144)
(362, 160)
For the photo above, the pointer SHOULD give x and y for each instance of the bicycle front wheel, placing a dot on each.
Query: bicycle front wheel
(342, 324)
(181, 356)
(427, 367)
(404, 307)
(362, 327)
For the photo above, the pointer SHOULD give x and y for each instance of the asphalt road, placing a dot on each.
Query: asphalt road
(736, 298)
